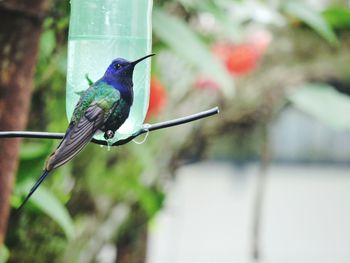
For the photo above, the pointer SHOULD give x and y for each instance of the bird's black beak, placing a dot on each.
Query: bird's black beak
(140, 59)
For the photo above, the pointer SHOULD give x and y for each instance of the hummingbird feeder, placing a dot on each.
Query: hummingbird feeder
(100, 31)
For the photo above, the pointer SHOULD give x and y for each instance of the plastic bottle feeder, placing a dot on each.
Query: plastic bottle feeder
(100, 31)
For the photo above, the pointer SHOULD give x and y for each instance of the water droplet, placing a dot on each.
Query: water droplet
(109, 144)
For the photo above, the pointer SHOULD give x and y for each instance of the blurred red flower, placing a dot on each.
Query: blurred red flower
(240, 59)
(158, 98)
(206, 83)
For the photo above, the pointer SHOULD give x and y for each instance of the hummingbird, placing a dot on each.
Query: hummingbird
(103, 107)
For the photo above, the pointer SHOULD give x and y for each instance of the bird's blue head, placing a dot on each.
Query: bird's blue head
(122, 69)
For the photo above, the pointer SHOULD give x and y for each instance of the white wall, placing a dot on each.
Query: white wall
(208, 215)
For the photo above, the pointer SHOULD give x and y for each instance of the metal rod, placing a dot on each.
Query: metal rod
(145, 128)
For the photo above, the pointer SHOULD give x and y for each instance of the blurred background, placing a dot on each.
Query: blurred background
(266, 180)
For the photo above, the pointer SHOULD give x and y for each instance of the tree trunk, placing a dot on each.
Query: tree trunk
(20, 26)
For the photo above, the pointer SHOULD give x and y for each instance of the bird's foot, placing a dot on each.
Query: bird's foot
(109, 134)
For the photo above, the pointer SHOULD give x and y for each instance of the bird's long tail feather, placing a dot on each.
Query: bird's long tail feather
(36, 185)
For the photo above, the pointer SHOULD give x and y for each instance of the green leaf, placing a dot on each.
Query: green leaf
(47, 43)
(4, 254)
(178, 36)
(324, 103)
(312, 18)
(337, 17)
(32, 159)
(34, 150)
(50, 205)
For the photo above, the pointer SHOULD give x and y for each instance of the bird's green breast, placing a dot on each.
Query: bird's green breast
(118, 116)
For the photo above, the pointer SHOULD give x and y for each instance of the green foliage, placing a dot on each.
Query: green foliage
(324, 103)
(47, 43)
(337, 17)
(50, 205)
(35, 238)
(4, 254)
(32, 155)
(32, 150)
(312, 18)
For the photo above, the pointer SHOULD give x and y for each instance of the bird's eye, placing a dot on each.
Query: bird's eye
(118, 66)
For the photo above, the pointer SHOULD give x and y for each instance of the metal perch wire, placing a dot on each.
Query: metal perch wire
(145, 128)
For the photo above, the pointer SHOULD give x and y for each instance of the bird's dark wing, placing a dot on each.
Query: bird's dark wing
(93, 109)
(77, 136)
